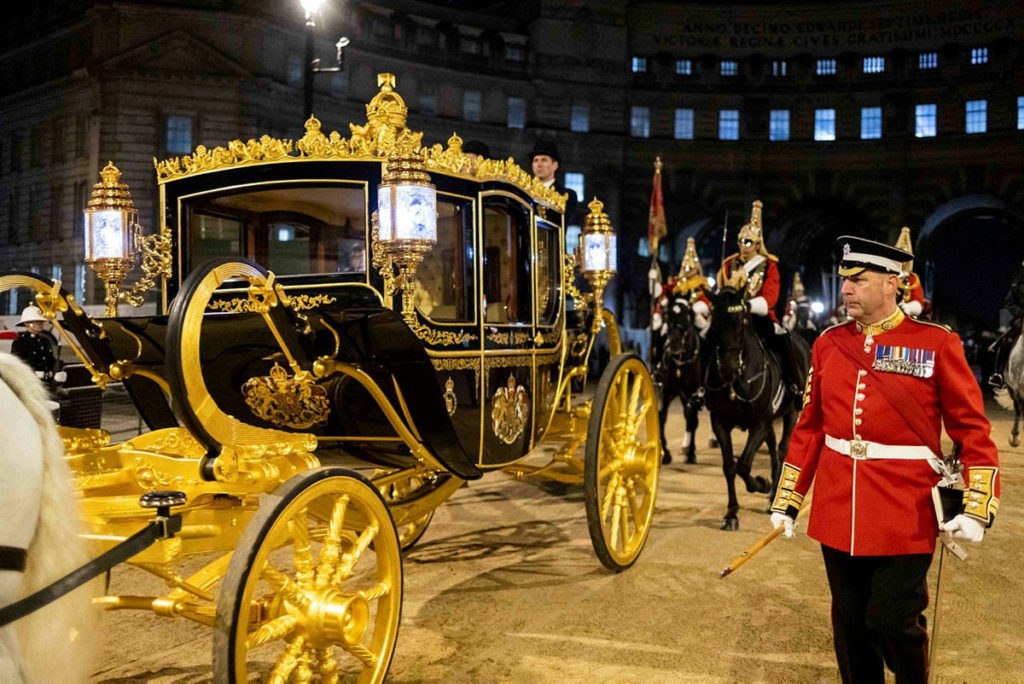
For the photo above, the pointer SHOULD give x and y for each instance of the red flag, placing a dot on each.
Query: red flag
(656, 226)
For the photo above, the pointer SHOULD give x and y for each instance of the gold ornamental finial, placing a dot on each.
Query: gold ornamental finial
(690, 265)
(798, 287)
(657, 164)
(110, 192)
(597, 221)
(387, 106)
(906, 245)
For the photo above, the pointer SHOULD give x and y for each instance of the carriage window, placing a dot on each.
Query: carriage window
(444, 288)
(288, 229)
(547, 273)
(506, 261)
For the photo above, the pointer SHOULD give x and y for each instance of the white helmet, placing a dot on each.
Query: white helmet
(31, 314)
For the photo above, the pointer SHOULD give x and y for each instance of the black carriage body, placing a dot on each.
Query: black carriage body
(490, 314)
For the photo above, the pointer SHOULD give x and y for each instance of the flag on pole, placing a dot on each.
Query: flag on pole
(656, 226)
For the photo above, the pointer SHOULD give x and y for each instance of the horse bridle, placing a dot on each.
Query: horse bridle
(731, 385)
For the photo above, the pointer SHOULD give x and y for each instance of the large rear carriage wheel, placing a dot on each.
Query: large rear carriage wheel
(621, 462)
(314, 590)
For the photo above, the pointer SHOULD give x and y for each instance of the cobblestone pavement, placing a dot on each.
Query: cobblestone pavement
(504, 587)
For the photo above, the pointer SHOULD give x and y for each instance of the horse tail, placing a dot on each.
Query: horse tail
(55, 643)
(1003, 398)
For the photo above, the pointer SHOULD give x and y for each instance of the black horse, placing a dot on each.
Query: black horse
(745, 390)
(680, 372)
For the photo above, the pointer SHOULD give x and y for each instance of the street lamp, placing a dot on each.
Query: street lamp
(312, 64)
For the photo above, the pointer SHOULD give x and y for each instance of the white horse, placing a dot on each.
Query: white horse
(1010, 397)
(40, 513)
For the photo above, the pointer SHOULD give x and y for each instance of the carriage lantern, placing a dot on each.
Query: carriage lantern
(114, 241)
(597, 257)
(406, 222)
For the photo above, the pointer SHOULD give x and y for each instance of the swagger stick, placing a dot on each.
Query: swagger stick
(757, 546)
(935, 617)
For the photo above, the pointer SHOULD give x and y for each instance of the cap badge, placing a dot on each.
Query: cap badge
(846, 250)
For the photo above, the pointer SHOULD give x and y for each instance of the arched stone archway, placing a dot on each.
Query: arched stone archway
(966, 253)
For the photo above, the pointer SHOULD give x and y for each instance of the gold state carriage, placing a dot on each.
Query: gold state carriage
(427, 352)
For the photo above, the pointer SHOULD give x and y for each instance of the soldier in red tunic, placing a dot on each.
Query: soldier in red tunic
(880, 388)
(757, 272)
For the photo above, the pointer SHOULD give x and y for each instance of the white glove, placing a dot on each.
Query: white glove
(653, 274)
(911, 308)
(60, 376)
(783, 519)
(964, 527)
(656, 321)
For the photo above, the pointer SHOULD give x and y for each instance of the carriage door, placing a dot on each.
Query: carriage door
(549, 319)
(507, 330)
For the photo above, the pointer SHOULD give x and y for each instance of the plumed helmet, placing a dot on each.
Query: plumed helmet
(798, 286)
(906, 245)
(690, 265)
(31, 314)
(752, 230)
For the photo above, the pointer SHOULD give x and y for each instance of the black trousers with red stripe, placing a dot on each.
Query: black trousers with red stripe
(878, 605)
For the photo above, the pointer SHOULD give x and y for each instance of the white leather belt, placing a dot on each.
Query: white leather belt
(861, 449)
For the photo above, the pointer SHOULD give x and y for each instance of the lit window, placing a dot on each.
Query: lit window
(826, 67)
(639, 65)
(779, 67)
(1020, 113)
(729, 67)
(514, 53)
(179, 134)
(729, 124)
(924, 121)
(471, 105)
(295, 72)
(684, 124)
(979, 55)
(874, 65)
(516, 112)
(428, 105)
(928, 60)
(870, 123)
(574, 182)
(684, 67)
(824, 124)
(579, 120)
(977, 116)
(640, 122)
(778, 124)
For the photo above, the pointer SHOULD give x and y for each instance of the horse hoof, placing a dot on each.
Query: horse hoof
(763, 484)
(666, 458)
(730, 524)
(691, 458)
(1014, 441)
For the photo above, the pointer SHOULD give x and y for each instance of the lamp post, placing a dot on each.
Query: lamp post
(312, 64)
(597, 254)
(114, 242)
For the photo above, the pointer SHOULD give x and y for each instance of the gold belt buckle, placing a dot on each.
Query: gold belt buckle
(858, 449)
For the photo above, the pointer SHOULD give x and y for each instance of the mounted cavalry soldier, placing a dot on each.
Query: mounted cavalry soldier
(1004, 343)
(690, 283)
(757, 272)
(911, 295)
(798, 311)
(880, 388)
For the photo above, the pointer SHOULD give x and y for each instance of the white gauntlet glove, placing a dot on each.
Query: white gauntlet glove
(964, 527)
(783, 519)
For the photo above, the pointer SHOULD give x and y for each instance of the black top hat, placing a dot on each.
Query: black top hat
(476, 147)
(867, 255)
(546, 147)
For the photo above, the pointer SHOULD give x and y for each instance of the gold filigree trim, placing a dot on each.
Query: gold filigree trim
(295, 402)
(461, 363)
(509, 410)
(508, 338)
(451, 402)
(441, 337)
(300, 302)
(150, 479)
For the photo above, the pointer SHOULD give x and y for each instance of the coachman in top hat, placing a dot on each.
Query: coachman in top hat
(880, 388)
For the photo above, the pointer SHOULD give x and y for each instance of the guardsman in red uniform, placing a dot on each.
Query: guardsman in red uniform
(880, 388)
(911, 295)
(759, 272)
(690, 283)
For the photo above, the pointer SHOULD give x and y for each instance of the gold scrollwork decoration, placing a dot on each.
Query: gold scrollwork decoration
(509, 410)
(508, 338)
(514, 361)
(295, 402)
(302, 302)
(461, 363)
(441, 337)
(150, 479)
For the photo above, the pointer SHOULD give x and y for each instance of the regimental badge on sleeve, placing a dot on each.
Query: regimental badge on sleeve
(807, 387)
(919, 363)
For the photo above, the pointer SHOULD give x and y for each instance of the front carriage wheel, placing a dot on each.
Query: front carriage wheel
(314, 589)
(621, 462)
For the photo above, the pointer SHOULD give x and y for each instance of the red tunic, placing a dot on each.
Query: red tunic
(883, 506)
(916, 291)
(762, 282)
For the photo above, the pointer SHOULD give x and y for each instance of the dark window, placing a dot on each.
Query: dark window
(506, 252)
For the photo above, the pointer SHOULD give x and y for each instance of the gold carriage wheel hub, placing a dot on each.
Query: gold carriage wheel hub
(335, 617)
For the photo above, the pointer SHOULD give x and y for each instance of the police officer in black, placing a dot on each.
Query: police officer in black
(35, 346)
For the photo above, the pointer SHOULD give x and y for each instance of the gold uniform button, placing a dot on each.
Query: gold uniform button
(857, 421)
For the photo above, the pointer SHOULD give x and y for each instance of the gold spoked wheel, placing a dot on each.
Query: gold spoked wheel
(621, 462)
(314, 589)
